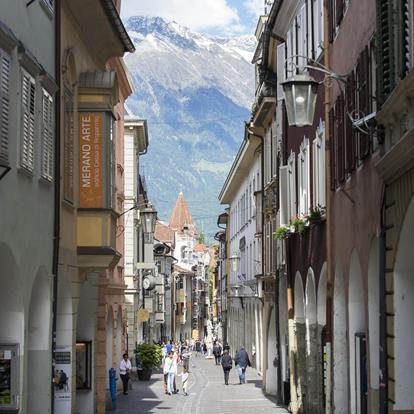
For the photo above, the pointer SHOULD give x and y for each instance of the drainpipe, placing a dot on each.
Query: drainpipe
(383, 407)
(56, 224)
(329, 228)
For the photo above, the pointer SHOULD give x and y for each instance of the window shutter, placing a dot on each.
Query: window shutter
(340, 161)
(27, 122)
(47, 136)
(404, 31)
(364, 100)
(283, 194)
(385, 50)
(339, 11)
(331, 20)
(4, 107)
(332, 148)
(350, 135)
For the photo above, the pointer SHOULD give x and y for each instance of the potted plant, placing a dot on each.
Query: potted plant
(282, 232)
(148, 356)
(298, 224)
(316, 214)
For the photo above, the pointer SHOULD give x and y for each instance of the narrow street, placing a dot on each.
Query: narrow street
(207, 394)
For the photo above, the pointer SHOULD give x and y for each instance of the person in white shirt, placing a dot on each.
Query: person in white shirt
(124, 370)
(170, 370)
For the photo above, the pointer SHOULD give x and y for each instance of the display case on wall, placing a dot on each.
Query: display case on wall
(9, 377)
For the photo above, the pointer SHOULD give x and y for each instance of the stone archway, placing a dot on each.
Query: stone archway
(284, 343)
(311, 344)
(300, 341)
(38, 342)
(119, 346)
(109, 343)
(404, 311)
(357, 336)
(340, 349)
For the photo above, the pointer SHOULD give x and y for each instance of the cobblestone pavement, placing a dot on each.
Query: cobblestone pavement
(207, 394)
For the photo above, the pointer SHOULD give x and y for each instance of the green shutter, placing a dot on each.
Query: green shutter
(385, 58)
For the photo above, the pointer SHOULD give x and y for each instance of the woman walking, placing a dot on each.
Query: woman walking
(227, 364)
(170, 370)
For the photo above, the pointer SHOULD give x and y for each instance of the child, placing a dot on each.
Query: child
(184, 380)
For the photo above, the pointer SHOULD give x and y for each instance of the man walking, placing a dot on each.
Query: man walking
(170, 370)
(217, 352)
(227, 364)
(242, 361)
(124, 370)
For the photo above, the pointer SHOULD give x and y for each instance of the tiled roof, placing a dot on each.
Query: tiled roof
(181, 216)
(163, 233)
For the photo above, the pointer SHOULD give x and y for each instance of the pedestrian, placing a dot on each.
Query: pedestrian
(185, 357)
(227, 364)
(124, 372)
(217, 352)
(170, 370)
(198, 347)
(242, 361)
(169, 346)
(204, 349)
(184, 380)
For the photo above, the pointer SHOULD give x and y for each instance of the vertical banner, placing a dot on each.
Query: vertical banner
(62, 380)
(91, 159)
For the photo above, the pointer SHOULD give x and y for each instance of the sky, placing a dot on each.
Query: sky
(216, 17)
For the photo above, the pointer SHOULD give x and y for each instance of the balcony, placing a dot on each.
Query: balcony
(96, 240)
(265, 103)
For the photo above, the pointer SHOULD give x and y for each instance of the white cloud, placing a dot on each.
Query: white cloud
(195, 14)
(255, 7)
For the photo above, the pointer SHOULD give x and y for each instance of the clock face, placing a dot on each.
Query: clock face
(146, 283)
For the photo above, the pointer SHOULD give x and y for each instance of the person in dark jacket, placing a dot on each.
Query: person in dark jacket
(242, 361)
(227, 364)
(217, 352)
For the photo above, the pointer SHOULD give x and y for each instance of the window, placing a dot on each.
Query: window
(47, 136)
(304, 178)
(318, 155)
(112, 161)
(4, 107)
(27, 132)
(83, 365)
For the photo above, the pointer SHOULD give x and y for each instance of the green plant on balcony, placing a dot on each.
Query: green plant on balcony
(281, 233)
(316, 214)
(299, 224)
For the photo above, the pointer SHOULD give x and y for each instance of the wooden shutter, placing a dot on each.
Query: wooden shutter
(385, 50)
(284, 195)
(4, 107)
(364, 98)
(47, 136)
(331, 20)
(340, 150)
(332, 148)
(350, 135)
(339, 11)
(27, 122)
(404, 33)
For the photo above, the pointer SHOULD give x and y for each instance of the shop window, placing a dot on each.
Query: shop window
(83, 365)
(9, 377)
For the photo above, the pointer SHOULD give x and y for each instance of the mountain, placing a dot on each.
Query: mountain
(195, 91)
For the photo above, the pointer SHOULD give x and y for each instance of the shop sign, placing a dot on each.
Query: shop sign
(143, 315)
(91, 158)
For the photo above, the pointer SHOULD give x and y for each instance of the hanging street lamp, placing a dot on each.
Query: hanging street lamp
(300, 98)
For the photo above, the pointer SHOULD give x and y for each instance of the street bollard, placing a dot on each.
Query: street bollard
(112, 386)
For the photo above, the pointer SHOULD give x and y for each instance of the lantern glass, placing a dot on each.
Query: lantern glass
(149, 219)
(235, 262)
(300, 98)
